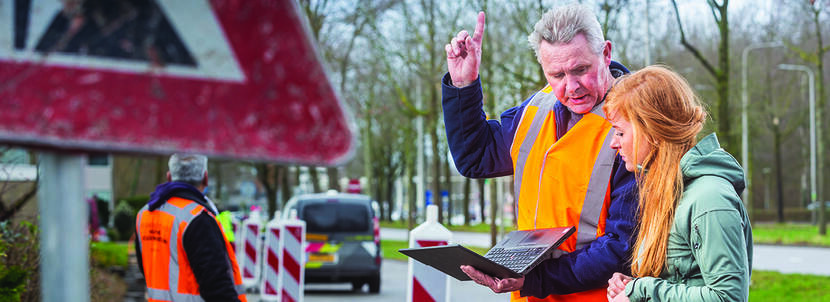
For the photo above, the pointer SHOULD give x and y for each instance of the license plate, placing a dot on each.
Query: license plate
(327, 258)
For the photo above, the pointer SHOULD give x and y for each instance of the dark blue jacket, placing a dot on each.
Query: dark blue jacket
(481, 149)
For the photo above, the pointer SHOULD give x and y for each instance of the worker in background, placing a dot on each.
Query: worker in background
(181, 248)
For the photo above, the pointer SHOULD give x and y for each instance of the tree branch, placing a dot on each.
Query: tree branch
(688, 46)
(18, 204)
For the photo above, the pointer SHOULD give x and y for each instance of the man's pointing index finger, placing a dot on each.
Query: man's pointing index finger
(479, 28)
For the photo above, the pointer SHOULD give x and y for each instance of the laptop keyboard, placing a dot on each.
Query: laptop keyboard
(514, 259)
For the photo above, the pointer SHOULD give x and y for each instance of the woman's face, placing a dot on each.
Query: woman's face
(623, 141)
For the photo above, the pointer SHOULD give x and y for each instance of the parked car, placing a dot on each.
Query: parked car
(343, 236)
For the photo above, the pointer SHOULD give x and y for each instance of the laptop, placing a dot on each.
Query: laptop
(513, 257)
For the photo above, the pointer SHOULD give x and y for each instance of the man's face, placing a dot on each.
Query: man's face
(579, 77)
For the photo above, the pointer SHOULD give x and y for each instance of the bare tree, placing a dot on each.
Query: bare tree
(719, 72)
(815, 8)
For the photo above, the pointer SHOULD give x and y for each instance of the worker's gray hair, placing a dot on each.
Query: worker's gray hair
(188, 168)
(562, 24)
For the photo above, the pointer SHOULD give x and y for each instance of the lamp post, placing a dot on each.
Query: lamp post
(811, 75)
(745, 119)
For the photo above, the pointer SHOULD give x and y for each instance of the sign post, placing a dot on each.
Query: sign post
(64, 247)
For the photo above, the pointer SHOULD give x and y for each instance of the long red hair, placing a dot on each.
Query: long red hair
(665, 113)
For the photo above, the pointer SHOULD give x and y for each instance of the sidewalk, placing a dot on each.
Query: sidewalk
(784, 259)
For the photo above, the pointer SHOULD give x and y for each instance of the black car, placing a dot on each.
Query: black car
(342, 233)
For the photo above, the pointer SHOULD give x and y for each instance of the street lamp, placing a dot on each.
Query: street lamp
(811, 75)
(744, 119)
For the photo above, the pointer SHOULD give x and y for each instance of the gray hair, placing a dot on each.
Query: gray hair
(188, 168)
(562, 24)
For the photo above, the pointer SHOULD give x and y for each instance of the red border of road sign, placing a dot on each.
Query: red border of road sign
(286, 110)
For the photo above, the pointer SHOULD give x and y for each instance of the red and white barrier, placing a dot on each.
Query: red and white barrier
(424, 283)
(236, 228)
(292, 242)
(251, 249)
(269, 288)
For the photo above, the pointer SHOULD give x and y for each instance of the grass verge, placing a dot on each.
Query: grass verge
(480, 228)
(107, 254)
(390, 249)
(774, 286)
(788, 234)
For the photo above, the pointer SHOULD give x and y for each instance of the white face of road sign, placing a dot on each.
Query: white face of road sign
(191, 25)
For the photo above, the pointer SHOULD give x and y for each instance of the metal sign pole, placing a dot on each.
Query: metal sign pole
(64, 244)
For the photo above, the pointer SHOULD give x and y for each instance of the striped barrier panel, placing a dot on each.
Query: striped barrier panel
(269, 287)
(251, 251)
(292, 276)
(425, 283)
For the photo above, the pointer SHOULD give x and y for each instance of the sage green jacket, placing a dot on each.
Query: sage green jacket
(710, 244)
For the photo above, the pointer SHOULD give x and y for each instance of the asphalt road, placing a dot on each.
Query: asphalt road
(392, 288)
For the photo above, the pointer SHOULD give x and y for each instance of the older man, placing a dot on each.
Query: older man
(556, 144)
(180, 245)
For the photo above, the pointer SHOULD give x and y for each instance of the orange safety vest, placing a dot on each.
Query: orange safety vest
(166, 269)
(566, 181)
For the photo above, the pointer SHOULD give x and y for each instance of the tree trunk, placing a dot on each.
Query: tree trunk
(466, 207)
(287, 185)
(820, 133)
(778, 177)
(413, 195)
(390, 195)
(334, 178)
(481, 199)
(448, 188)
(137, 171)
(494, 206)
(265, 175)
(315, 179)
(436, 175)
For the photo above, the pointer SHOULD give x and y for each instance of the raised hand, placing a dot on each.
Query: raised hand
(464, 55)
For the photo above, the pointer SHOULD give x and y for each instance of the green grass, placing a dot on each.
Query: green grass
(390, 249)
(774, 286)
(480, 228)
(789, 234)
(107, 254)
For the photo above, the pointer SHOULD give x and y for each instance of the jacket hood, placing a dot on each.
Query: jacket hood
(708, 158)
(167, 190)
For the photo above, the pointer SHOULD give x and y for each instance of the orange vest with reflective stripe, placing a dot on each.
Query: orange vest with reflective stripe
(562, 182)
(166, 269)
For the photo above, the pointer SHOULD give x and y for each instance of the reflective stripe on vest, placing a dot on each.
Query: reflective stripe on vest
(178, 213)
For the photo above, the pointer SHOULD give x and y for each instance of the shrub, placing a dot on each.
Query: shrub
(19, 261)
(112, 234)
(124, 220)
(135, 202)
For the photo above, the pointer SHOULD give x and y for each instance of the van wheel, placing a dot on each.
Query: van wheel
(374, 284)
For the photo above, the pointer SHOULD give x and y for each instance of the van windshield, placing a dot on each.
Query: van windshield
(333, 217)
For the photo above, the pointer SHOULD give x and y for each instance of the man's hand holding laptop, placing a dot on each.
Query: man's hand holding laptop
(495, 284)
